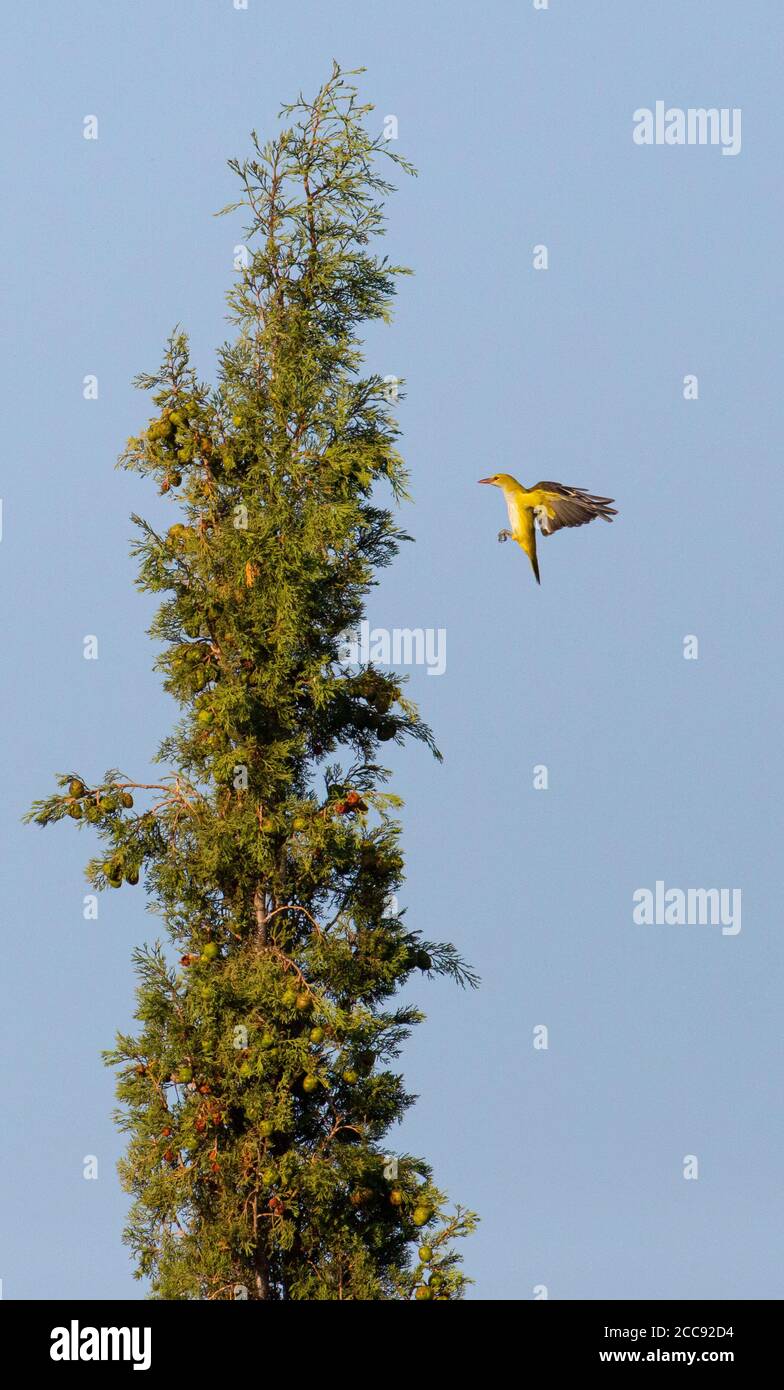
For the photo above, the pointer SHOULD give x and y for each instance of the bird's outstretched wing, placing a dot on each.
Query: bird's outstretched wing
(568, 506)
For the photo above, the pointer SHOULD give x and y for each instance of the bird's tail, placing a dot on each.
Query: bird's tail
(526, 539)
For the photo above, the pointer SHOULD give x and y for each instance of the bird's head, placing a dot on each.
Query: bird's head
(499, 480)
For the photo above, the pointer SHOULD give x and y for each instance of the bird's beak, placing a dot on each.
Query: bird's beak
(484, 480)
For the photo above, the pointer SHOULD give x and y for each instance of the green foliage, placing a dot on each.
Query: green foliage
(261, 1084)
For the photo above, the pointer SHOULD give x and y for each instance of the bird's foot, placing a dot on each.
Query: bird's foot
(504, 536)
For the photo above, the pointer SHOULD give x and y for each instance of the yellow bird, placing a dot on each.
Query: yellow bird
(548, 506)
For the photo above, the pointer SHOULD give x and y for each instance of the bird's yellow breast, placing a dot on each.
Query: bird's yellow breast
(515, 506)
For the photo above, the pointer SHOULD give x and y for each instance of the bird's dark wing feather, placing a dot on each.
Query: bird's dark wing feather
(570, 506)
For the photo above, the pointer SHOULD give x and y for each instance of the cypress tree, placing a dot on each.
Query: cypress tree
(261, 1082)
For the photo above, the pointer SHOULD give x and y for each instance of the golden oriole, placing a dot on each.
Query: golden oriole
(548, 506)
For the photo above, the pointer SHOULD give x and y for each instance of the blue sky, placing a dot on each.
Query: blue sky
(664, 1041)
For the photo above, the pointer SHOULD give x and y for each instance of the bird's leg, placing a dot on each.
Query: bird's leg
(504, 536)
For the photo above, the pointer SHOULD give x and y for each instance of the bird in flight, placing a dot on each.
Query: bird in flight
(548, 506)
